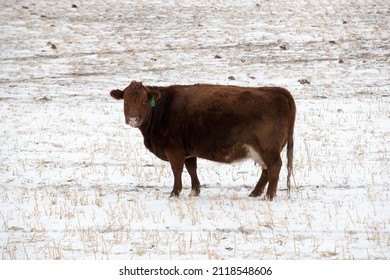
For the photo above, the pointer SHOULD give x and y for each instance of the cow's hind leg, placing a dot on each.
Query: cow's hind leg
(274, 164)
(195, 184)
(259, 189)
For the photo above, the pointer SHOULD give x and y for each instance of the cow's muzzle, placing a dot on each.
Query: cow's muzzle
(133, 121)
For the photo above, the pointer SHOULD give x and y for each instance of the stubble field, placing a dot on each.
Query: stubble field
(76, 183)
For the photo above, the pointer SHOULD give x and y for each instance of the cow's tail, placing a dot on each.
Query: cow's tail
(290, 143)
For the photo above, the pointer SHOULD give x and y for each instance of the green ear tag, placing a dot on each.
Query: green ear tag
(152, 102)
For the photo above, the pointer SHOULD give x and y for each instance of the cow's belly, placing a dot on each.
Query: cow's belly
(233, 154)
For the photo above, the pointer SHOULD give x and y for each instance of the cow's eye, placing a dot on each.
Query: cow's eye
(125, 102)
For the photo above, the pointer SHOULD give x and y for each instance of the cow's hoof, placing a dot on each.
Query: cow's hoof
(195, 192)
(253, 194)
(268, 197)
(174, 195)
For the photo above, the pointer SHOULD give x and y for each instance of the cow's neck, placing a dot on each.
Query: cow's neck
(147, 121)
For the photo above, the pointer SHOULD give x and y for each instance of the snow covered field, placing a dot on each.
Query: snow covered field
(76, 183)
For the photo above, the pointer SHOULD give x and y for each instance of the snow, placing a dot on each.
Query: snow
(77, 183)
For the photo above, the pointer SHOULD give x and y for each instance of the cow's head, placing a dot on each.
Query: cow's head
(137, 101)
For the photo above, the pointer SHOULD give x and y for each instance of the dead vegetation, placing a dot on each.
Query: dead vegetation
(77, 184)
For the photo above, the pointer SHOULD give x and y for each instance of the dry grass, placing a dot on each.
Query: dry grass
(76, 184)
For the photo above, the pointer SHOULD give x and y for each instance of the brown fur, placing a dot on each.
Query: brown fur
(214, 122)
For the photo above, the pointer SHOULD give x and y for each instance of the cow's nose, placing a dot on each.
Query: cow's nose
(133, 121)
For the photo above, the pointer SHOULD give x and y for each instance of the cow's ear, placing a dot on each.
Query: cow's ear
(153, 94)
(117, 94)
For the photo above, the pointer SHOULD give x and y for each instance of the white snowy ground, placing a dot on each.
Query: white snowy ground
(76, 183)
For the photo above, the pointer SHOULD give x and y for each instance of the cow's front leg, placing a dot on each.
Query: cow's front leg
(195, 184)
(177, 163)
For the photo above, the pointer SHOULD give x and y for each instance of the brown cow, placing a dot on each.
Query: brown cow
(220, 123)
